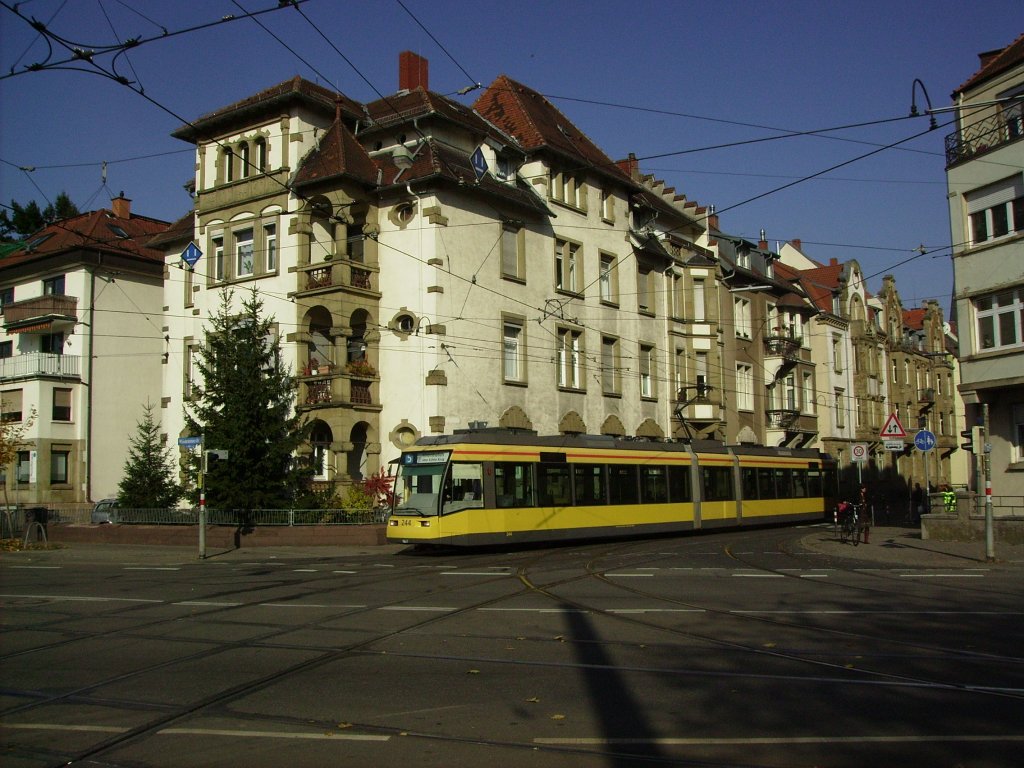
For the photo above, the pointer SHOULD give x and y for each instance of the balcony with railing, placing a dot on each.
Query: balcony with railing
(926, 398)
(336, 274)
(985, 135)
(782, 342)
(40, 364)
(327, 386)
(781, 418)
(42, 314)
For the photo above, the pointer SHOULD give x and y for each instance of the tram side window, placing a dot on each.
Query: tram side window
(814, 487)
(766, 483)
(800, 484)
(679, 484)
(717, 484)
(748, 483)
(653, 485)
(784, 483)
(623, 484)
(553, 489)
(591, 484)
(463, 487)
(513, 484)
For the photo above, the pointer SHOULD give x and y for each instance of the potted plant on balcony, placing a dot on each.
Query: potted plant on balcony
(361, 368)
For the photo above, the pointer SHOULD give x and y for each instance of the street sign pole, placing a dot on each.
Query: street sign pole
(202, 499)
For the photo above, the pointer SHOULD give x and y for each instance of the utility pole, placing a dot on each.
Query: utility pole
(990, 547)
(202, 498)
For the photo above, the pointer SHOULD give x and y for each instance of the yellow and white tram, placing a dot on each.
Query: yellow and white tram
(496, 486)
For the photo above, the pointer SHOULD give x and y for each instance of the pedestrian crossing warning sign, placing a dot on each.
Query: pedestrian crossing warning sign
(892, 428)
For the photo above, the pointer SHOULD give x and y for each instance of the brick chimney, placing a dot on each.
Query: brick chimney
(762, 243)
(630, 166)
(413, 72)
(795, 243)
(121, 206)
(833, 262)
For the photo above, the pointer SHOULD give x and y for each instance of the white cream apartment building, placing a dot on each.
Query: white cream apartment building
(80, 348)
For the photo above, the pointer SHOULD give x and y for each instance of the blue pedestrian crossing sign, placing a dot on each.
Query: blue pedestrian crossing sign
(924, 440)
(479, 163)
(191, 255)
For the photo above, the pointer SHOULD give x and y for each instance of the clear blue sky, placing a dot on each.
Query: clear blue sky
(669, 81)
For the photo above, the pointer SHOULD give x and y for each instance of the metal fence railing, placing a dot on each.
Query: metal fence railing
(13, 520)
(1002, 506)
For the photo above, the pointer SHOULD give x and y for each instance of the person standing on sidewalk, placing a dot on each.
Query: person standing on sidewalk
(864, 521)
(917, 503)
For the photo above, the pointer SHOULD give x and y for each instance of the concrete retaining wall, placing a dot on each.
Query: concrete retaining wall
(220, 536)
(965, 526)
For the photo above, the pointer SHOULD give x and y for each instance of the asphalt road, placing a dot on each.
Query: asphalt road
(744, 648)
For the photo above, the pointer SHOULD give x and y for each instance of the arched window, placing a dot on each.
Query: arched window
(243, 156)
(229, 164)
(261, 155)
(320, 440)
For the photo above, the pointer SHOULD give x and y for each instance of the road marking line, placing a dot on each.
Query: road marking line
(790, 740)
(436, 608)
(474, 573)
(534, 610)
(306, 605)
(657, 610)
(207, 603)
(37, 567)
(344, 571)
(941, 575)
(304, 570)
(329, 736)
(150, 568)
(760, 575)
(628, 575)
(86, 599)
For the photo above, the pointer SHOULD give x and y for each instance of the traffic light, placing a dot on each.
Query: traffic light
(968, 444)
(213, 458)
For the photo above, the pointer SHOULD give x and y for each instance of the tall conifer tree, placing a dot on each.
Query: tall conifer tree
(149, 471)
(246, 405)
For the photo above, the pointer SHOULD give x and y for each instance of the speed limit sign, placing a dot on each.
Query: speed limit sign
(859, 451)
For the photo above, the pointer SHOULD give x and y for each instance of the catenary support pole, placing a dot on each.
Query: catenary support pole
(990, 545)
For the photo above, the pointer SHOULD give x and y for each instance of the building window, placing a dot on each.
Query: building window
(244, 259)
(840, 409)
(10, 405)
(191, 371)
(513, 258)
(570, 190)
(6, 349)
(837, 353)
(218, 258)
(996, 210)
(606, 280)
(61, 405)
(790, 393)
(270, 246)
(52, 343)
(741, 317)
(744, 387)
(568, 275)
(514, 347)
(1017, 433)
(243, 157)
(570, 358)
(228, 159)
(701, 374)
(646, 370)
(610, 378)
(607, 206)
(24, 467)
(678, 296)
(261, 155)
(808, 392)
(53, 286)
(59, 467)
(645, 290)
(6, 296)
(698, 300)
(1000, 320)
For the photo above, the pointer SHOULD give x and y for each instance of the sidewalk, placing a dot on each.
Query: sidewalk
(905, 547)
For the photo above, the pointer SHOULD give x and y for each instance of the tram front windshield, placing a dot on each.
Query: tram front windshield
(418, 489)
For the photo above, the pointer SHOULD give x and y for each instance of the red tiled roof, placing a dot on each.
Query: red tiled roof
(913, 319)
(418, 103)
(182, 229)
(338, 153)
(294, 89)
(997, 62)
(95, 231)
(538, 124)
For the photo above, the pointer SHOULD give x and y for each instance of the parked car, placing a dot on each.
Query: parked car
(105, 511)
